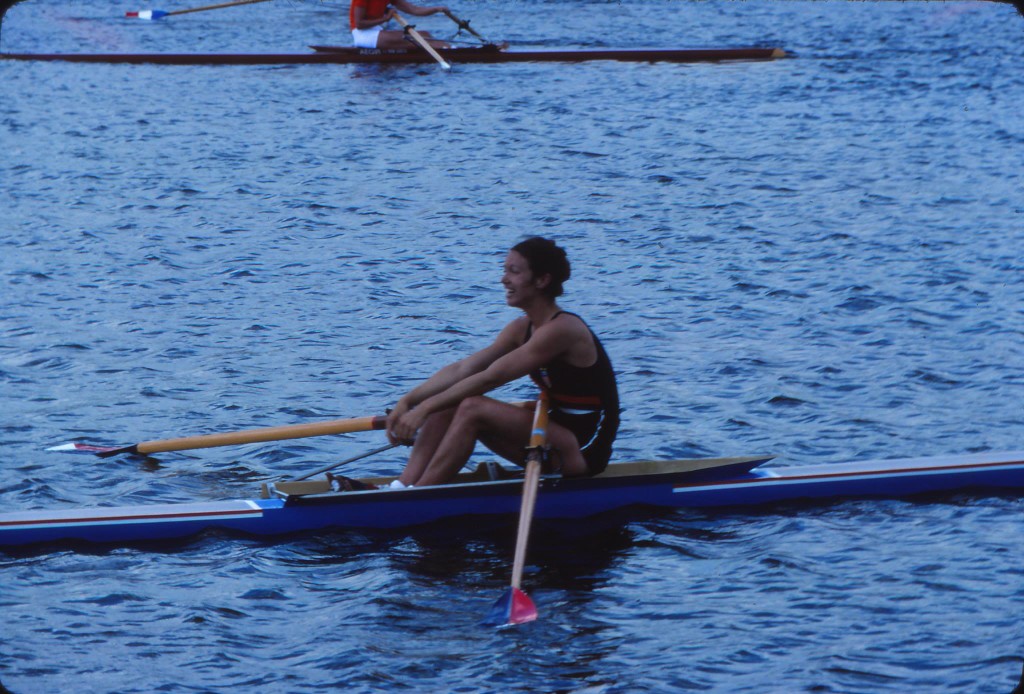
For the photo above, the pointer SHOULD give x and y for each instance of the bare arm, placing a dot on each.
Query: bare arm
(548, 343)
(416, 10)
(508, 339)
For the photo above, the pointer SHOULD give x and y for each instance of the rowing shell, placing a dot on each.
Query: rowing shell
(348, 55)
(723, 482)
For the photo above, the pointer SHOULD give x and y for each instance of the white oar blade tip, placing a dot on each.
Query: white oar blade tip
(64, 447)
(75, 447)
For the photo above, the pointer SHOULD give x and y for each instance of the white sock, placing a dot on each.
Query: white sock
(396, 484)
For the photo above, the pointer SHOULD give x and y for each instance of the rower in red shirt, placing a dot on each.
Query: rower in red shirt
(367, 19)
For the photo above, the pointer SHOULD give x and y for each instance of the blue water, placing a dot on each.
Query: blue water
(817, 257)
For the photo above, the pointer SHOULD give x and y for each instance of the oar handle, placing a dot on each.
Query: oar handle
(422, 42)
(232, 438)
(531, 481)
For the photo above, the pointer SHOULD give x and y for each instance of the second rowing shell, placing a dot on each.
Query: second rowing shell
(348, 55)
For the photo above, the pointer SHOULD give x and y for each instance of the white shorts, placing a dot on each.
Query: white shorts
(366, 38)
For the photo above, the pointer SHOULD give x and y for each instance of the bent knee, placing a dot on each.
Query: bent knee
(473, 407)
(485, 413)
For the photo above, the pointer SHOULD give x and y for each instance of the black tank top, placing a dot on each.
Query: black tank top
(576, 389)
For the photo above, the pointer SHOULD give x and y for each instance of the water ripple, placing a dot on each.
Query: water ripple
(816, 258)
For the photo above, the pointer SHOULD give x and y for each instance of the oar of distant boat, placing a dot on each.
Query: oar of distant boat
(409, 29)
(464, 24)
(422, 42)
(160, 14)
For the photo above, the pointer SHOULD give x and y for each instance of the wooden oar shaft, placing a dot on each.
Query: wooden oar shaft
(293, 431)
(423, 43)
(531, 481)
(530, 484)
(216, 7)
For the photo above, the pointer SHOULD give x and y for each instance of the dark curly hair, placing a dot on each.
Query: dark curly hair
(545, 257)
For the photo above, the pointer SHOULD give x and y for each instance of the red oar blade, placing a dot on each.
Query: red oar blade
(514, 607)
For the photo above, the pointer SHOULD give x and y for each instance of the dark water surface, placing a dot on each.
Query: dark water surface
(818, 257)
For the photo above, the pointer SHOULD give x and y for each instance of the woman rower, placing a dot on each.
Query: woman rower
(367, 19)
(448, 413)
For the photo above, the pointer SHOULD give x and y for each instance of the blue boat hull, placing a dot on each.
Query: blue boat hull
(737, 485)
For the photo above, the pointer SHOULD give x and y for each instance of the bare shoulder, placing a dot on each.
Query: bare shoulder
(566, 329)
(570, 323)
(576, 338)
(515, 331)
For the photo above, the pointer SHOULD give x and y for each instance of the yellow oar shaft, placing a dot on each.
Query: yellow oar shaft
(293, 431)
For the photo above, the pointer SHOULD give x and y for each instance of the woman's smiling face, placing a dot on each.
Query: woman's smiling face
(518, 280)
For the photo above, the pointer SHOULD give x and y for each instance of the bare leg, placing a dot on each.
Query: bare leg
(565, 450)
(504, 428)
(471, 417)
(391, 39)
(427, 440)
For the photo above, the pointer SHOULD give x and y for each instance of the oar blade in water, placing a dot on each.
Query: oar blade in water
(514, 607)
